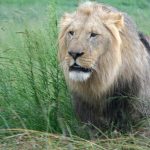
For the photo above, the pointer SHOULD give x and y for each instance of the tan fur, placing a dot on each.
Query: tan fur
(120, 55)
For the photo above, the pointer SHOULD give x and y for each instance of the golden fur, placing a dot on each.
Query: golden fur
(116, 56)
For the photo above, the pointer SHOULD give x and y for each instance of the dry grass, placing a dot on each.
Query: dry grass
(22, 139)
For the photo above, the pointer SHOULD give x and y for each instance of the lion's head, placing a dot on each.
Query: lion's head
(89, 41)
(97, 45)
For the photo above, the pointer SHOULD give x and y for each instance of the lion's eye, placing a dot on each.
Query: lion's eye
(71, 33)
(93, 34)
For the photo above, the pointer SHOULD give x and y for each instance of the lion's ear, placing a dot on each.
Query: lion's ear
(115, 18)
(65, 20)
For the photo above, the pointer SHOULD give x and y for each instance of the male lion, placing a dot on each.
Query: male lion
(106, 66)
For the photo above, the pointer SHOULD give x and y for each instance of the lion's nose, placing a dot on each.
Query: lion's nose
(75, 55)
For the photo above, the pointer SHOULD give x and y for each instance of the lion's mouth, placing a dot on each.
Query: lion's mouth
(76, 67)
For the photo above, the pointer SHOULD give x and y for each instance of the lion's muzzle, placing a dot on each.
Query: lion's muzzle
(78, 68)
(78, 73)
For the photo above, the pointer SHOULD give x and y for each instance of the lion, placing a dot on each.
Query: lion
(106, 66)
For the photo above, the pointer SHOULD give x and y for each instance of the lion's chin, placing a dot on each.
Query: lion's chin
(79, 75)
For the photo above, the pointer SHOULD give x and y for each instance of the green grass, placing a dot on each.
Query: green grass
(33, 94)
(22, 2)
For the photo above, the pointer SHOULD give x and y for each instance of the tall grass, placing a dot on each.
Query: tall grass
(33, 92)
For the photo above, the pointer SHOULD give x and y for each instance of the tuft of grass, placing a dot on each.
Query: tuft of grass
(33, 93)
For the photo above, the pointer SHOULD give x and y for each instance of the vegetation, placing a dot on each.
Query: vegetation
(34, 100)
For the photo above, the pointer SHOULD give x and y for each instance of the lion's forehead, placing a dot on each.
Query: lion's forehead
(89, 24)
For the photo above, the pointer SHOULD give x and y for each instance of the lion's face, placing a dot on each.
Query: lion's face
(84, 40)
